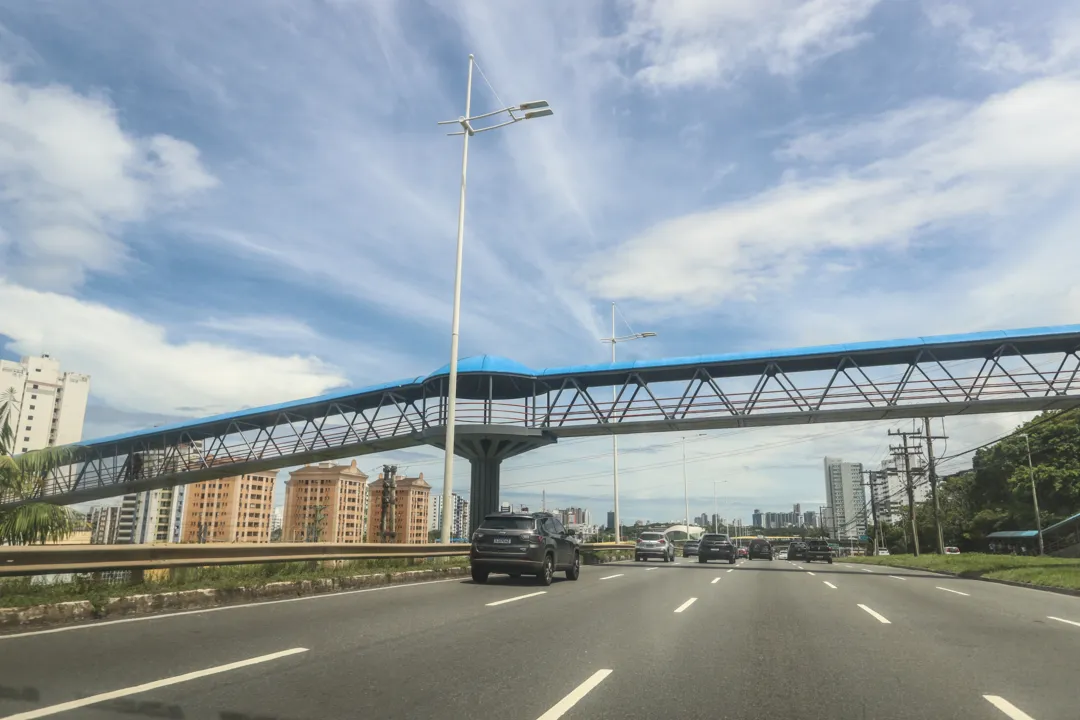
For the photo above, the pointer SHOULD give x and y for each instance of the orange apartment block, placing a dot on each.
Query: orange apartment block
(334, 496)
(412, 507)
(233, 509)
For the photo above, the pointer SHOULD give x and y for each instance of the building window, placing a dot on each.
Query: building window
(32, 407)
(25, 439)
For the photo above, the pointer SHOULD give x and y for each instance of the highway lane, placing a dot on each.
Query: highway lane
(610, 645)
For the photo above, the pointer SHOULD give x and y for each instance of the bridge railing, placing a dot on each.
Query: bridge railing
(59, 559)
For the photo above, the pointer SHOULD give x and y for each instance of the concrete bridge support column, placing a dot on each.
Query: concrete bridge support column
(485, 447)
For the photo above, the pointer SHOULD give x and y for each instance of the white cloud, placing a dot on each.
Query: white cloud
(704, 42)
(1000, 158)
(72, 177)
(135, 367)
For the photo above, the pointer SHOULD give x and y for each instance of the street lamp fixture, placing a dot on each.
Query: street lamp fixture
(615, 340)
(516, 113)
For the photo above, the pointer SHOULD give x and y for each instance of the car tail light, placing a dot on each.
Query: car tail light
(661, 541)
(532, 538)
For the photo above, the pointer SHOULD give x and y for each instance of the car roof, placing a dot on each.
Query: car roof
(492, 516)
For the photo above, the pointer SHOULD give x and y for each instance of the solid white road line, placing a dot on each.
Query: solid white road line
(514, 599)
(1070, 622)
(829, 584)
(957, 592)
(1007, 707)
(145, 687)
(881, 618)
(223, 608)
(714, 581)
(575, 696)
(685, 605)
(612, 577)
(897, 577)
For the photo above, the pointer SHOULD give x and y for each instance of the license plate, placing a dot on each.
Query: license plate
(502, 541)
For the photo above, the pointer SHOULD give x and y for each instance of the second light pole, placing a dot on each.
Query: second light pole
(516, 113)
(614, 399)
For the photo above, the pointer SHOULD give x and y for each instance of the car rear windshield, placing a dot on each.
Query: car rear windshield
(819, 544)
(652, 536)
(507, 523)
(714, 538)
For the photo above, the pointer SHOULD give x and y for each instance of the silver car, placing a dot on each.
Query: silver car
(654, 545)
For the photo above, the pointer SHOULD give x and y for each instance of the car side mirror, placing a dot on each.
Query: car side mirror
(569, 533)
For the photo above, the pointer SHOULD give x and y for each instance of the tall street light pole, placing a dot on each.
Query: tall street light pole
(516, 113)
(686, 492)
(1034, 495)
(614, 340)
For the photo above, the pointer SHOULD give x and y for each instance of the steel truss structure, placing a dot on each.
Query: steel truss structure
(1007, 371)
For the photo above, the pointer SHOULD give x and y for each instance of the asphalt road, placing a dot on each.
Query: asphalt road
(757, 640)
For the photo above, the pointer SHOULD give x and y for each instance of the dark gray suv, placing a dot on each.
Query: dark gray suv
(521, 544)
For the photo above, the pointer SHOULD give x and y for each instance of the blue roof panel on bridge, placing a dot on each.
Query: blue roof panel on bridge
(486, 363)
(1007, 534)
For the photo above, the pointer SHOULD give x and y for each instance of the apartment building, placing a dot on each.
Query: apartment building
(460, 514)
(326, 502)
(234, 509)
(847, 499)
(104, 524)
(153, 516)
(411, 509)
(49, 406)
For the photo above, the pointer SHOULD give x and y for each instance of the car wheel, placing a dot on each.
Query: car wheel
(479, 576)
(701, 559)
(574, 571)
(547, 572)
(830, 561)
(637, 558)
(731, 561)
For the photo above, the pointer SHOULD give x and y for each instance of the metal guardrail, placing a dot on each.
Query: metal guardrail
(45, 559)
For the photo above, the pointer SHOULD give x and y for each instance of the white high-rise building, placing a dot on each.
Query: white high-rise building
(153, 516)
(104, 524)
(50, 405)
(847, 499)
(276, 516)
(460, 527)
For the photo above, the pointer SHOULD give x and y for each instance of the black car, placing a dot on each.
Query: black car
(716, 547)
(818, 550)
(522, 544)
(759, 549)
(690, 548)
(796, 551)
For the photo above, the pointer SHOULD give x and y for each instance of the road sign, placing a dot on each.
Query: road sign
(864, 538)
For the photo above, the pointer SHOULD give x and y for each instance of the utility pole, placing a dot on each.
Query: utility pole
(930, 467)
(905, 451)
(872, 475)
(1034, 495)
(387, 525)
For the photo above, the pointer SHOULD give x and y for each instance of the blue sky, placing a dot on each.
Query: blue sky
(209, 205)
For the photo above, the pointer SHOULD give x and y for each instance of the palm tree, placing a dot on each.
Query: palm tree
(24, 477)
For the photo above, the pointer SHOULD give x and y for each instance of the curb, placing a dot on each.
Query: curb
(38, 616)
(961, 576)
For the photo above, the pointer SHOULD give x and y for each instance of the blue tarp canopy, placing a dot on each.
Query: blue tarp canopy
(1012, 534)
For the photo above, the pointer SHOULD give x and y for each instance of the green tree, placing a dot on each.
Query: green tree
(23, 478)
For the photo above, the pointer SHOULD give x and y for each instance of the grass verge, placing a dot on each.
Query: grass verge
(1036, 571)
(25, 591)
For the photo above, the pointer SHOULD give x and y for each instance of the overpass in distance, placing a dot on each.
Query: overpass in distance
(506, 409)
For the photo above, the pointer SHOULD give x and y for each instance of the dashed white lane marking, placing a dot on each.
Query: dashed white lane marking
(810, 573)
(897, 577)
(731, 569)
(881, 618)
(612, 577)
(575, 695)
(646, 570)
(685, 605)
(186, 677)
(829, 584)
(956, 592)
(866, 569)
(1007, 707)
(515, 598)
(714, 581)
(1070, 622)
